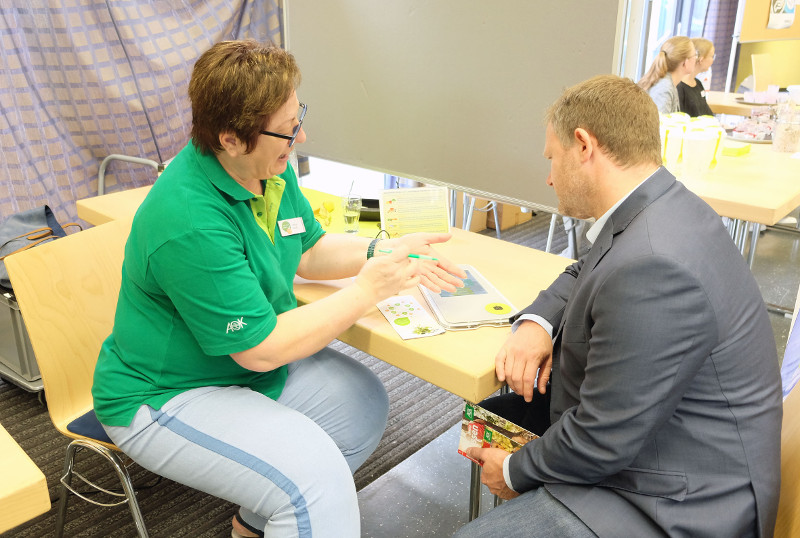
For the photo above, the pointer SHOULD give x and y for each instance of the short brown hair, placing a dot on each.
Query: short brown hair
(235, 87)
(621, 116)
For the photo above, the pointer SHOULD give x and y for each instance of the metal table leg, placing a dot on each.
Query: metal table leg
(475, 480)
(741, 236)
(497, 500)
(468, 207)
(475, 491)
(550, 232)
(751, 256)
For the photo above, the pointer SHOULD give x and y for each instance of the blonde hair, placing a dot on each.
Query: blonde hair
(617, 112)
(703, 47)
(673, 53)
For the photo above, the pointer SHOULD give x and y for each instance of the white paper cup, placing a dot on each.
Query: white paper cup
(699, 150)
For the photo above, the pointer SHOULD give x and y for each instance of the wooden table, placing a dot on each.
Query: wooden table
(759, 187)
(102, 209)
(727, 103)
(107, 207)
(23, 487)
(460, 362)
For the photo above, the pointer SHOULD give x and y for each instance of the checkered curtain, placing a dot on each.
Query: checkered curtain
(83, 79)
(718, 28)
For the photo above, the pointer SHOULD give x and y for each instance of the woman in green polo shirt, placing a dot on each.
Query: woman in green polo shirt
(213, 376)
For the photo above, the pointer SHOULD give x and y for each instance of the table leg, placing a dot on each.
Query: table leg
(730, 225)
(736, 233)
(553, 218)
(497, 500)
(469, 207)
(475, 480)
(741, 236)
(453, 206)
(475, 492)
(751, 256)
(496, 219)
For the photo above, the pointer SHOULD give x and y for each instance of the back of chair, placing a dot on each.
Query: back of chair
(788, 524)
(67, 293)
(762, 71)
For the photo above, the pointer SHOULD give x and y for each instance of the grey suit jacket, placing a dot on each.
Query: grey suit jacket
(666, 401)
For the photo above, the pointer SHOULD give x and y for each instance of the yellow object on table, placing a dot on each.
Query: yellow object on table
(322, 202)
(735, 149)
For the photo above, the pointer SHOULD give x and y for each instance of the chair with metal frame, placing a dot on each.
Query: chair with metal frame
(788, 521)
(101, 174)
(67, 292)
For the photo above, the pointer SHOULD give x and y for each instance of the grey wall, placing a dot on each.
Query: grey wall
(451, 92)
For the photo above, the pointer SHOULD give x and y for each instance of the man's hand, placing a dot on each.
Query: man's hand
(492, 475)
(526, 355)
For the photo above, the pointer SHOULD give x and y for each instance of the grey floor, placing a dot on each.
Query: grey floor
(426, 495)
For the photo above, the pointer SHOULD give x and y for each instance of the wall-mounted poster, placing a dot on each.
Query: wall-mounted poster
(781, 14)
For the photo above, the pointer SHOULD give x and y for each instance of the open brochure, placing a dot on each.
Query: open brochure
(483, 429)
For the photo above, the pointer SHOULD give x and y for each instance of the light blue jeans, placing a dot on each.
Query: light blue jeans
(287, 463)
(534, 514)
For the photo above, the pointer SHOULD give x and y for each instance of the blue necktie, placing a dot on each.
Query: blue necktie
(790, 369)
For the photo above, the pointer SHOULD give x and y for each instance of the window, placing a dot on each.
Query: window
(670, 18)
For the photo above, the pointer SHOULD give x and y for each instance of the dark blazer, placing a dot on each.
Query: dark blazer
(666, 399)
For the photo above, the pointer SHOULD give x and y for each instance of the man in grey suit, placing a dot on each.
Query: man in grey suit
(665, 400)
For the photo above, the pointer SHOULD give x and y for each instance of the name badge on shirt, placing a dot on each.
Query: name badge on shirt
(291, 226)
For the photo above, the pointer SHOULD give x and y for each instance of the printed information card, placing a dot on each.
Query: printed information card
(419, 209)
(408, 317)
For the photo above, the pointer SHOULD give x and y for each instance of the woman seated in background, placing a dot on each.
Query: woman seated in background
(691, 93)
(674, 61)
(213, 376)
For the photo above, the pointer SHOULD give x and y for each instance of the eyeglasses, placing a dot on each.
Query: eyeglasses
(300, 115)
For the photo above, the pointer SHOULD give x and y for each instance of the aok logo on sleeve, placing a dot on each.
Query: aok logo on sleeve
(235, 325)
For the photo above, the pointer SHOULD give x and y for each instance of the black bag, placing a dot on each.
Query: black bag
(25, 230)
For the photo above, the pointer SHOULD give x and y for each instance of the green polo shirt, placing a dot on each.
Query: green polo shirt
(202, 278)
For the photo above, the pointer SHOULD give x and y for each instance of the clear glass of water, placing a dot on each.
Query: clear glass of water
(351, 209)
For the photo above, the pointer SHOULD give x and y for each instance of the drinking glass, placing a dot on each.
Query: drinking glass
(351, 209)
